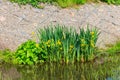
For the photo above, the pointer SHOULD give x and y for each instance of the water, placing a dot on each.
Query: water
(54, 71)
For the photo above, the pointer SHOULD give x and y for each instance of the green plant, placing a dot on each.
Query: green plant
(65, 3)
(114, 48)
(34, 3)
(88, 39)
(65, 44)
(62, 3)
(6, 56)
(68, 3)
(112, 1)
(30, 53)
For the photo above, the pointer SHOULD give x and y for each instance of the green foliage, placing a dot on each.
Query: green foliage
(117, 2)
(114, 48)
(62, 3)
(6, 56)
(34, 3)
(65, 3)
(56, 44)
(30, 53)
(65, 44)
(69, 3)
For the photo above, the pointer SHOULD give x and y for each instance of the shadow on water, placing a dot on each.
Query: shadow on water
(109, 70)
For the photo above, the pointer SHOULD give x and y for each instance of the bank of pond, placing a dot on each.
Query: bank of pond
(60, 52)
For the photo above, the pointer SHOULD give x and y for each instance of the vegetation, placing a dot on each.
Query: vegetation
(116, 2)
(6, 56)
(61, 3)
(112, 49)
(67, 3)
(65, 44)
(30, 53)
(62, 44)
(59, 44)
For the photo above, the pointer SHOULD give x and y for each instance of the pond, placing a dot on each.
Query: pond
(54, 71)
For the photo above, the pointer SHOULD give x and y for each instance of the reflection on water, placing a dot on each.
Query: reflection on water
(56, 71)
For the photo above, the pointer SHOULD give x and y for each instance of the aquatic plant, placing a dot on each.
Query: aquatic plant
(65, 44)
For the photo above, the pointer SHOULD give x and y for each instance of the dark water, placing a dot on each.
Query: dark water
(54, 71)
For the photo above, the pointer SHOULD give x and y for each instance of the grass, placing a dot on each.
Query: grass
(6, 56)
(62, 3)
(114, 48)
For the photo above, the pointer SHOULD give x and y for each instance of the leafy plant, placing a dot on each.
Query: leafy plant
(65, 44)
(30, 53)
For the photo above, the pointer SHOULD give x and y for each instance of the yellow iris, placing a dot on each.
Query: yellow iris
(82, 45)
(48, 45)
(92, 33)
(47, 42)
(37, 45)
(59, 42)
(33, 33)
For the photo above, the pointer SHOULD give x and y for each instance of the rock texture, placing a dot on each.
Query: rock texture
(17, 23)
